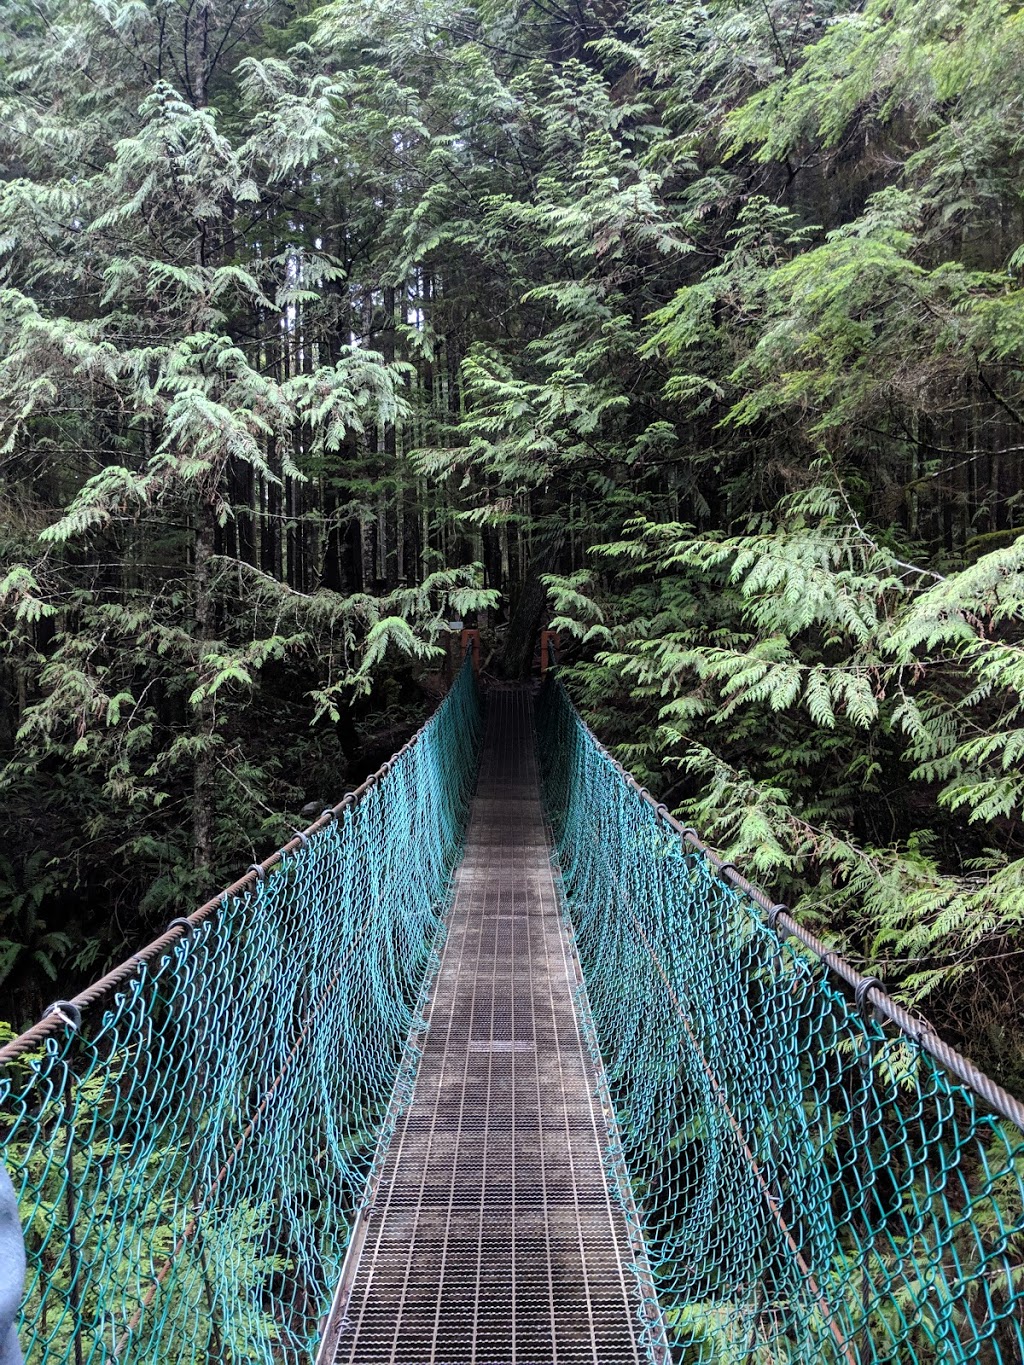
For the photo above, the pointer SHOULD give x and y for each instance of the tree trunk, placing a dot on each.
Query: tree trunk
(529, 611)
(202, 777)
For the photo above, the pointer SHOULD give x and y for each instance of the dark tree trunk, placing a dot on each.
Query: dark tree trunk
(530, 608)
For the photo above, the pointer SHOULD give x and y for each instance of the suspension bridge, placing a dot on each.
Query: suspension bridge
(496, 1064)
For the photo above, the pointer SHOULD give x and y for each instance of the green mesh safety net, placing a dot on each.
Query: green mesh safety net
(190, 1160)
(192, 1138)
(810, 1185)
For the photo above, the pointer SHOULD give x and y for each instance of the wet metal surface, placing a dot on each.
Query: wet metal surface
(493, 1238)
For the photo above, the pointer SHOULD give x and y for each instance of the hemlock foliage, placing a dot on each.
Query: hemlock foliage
(698, 327)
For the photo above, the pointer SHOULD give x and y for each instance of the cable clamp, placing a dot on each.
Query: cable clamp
(66, 1012)
(259, 869)
(661, 811)
(771, 918)
(185, 924)
(723, 870)
(865, 984)
(301, 834)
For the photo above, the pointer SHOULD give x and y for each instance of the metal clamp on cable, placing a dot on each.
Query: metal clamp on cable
(179, 923)
(860, 994)
(662, 811)
(259, 869)
(723, 870)
(771, 918)
(66, 1012)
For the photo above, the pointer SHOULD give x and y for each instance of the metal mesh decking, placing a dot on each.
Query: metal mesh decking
(493, 1238)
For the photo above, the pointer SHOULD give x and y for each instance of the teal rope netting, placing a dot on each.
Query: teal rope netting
(190, 1160)
(810, 1185)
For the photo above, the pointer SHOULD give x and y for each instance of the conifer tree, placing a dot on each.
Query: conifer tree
(695, 327)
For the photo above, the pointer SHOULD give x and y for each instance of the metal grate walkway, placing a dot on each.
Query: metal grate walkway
(492, 1237)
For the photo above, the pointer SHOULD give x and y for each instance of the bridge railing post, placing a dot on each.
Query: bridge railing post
(471, 640)
(549, 645)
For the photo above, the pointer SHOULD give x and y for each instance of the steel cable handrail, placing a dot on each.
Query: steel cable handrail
(739, 1065)
(189, 1137)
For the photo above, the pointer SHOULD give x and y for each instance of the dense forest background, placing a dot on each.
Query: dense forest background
(694, 329)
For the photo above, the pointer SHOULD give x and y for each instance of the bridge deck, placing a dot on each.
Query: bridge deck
(493, 1238)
